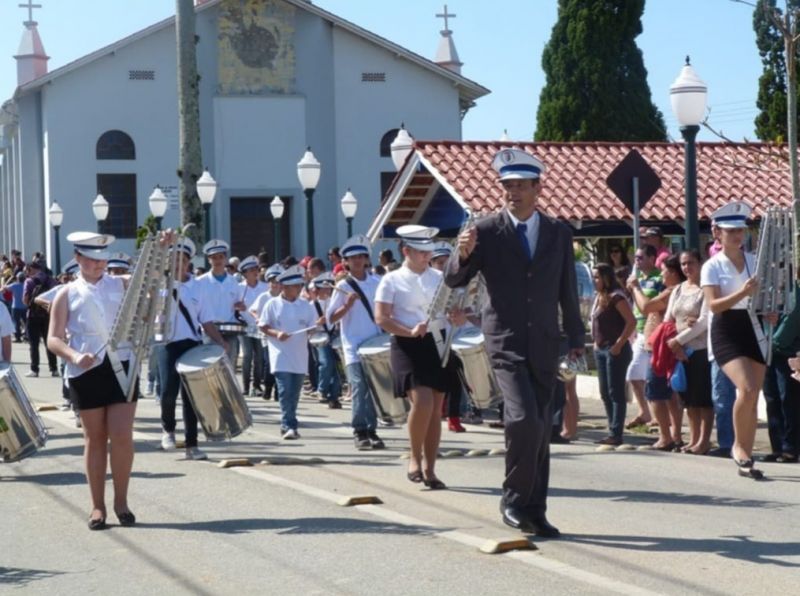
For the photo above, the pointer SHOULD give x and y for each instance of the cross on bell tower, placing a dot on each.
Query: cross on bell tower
(446, 55)
(30, 6)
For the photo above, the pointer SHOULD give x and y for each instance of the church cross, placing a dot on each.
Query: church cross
(30, 6)
(444, 15)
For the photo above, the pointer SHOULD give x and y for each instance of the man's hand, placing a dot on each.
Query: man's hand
(466, 242)
(457, 317)
(419, 330)
(282, 336)
(240, 305)
(351, 300)
(83, 361)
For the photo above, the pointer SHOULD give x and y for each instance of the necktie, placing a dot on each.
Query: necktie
(522, 233)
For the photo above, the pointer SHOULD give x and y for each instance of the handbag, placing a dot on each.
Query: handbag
(678, 380)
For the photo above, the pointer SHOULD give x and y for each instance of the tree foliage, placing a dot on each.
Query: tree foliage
(596, 83)
(770, 123)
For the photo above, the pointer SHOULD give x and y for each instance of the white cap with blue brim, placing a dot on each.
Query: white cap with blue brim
(91, 244)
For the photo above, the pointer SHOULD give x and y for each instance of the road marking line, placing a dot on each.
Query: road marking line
(532, 558)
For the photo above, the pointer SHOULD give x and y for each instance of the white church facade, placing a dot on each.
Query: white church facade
(276, 76)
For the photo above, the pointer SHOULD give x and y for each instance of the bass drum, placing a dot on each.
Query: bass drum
(208, 377)
(377, 365)
(482, 385)
(22, 431)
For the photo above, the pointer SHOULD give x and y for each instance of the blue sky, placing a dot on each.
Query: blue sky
(500, 44)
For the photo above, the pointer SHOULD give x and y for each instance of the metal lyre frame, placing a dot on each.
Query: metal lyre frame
(775, 268)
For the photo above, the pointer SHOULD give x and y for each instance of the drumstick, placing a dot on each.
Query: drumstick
(304, 330)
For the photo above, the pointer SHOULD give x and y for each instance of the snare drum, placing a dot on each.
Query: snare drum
(377, 365)
(208, 377)
(319, 339)
(232, 328)
(482, 384)
(336, 344)
(22, 431)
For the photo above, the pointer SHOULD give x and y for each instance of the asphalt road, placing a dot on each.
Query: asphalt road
(634, 522)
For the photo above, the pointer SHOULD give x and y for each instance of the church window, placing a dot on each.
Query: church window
(141, 75)
(120, 192)
(115, 144)
(386, 142)
(373, 77)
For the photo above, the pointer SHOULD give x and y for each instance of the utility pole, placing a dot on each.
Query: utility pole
(190, 156)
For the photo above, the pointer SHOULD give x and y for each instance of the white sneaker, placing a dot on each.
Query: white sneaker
(65, 406)
(291, 435)
(31, 374)
(168, 441)
(195, 454)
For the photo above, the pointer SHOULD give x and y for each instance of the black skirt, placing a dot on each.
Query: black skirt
(698, 381)
(416, 363)
(98, 387)
(733, 336)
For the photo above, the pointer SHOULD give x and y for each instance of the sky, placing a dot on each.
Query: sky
(500, 44)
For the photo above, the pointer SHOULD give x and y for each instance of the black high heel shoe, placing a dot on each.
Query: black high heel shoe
(415, 476)
(126, 518)
(97, 523)
(746, 469)
(434, 484)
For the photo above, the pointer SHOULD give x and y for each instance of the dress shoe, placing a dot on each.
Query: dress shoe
(514, 517)
(541, 527)
(557, 439)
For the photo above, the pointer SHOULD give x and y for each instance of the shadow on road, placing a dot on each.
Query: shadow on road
(731, 547)
(646, 496)
(303, 525)
(65, 478)
(21, 577)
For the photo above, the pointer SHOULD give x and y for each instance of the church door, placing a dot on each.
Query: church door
(253, 228)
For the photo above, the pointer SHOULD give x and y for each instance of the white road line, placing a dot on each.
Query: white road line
(534, 559)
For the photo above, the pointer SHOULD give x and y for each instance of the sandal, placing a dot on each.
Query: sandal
(746, 469)
(638, 421)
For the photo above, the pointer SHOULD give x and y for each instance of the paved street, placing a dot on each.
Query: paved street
(634, 522)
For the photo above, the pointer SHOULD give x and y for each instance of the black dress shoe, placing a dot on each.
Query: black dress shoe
(514, 517)
(719, 452)
(557, 439)
(541, 527)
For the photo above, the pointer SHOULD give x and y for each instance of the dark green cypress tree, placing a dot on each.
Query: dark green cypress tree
(770, 122)
(596, 83)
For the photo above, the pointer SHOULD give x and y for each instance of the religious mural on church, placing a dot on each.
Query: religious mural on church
(256, 47)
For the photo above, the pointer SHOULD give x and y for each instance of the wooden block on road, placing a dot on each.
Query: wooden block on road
(452, 453)
(605, 448)
(497, 547)
(498, 451)
(46, 407)
(626, 447)
(359, 500)
(477, 452)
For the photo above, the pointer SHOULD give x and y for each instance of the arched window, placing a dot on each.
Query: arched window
(386, 142)
(115, 144)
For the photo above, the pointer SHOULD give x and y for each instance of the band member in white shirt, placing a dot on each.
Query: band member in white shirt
(274, 288)
(252, 351)
(329, 384)
(220, 296)
(353, 307)
(81, 318)
(286, 320)
(402, 301)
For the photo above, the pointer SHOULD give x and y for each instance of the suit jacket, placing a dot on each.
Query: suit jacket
(520, 320)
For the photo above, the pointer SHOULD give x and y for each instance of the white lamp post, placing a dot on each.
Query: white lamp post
(308, 173)
(349, 207)
(276, 208)
(206, 191)
(401, 147)
(56, 216)
(158, 205)
(100, 210)
(688, 95)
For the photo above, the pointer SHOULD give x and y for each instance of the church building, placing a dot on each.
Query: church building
(276, 77)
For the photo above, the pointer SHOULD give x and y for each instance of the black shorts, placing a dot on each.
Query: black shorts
(416, 363)
(98, 387)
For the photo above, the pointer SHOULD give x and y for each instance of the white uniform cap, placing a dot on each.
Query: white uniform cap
(324, 280)
(187, 245)
(71, 268)
(357, 245)
(732, 215)
(119, 260)
(273, 271)
(515, 164)
(293, 276)
(91, 244)
(418, 237)
(214, 247)
(442, 249)
(248, 263)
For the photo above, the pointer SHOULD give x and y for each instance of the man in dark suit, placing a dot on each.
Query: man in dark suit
(527, 261)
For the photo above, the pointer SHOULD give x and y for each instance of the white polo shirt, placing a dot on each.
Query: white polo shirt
(218, 298)
(249, 295)
(290, 355)
(188, 294)
(409, 293)
(356, 325)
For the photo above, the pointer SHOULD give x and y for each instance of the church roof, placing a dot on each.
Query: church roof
(469, 90)
(574, 186)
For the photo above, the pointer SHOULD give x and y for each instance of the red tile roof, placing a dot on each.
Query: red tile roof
(574, 186)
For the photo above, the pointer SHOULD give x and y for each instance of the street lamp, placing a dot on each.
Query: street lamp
(276, 208)
(158, 205)
(402, 145)
(688, 96)
(100, 210)
(206, 190)
(56, 215)
(349, 207)
(308, 172)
